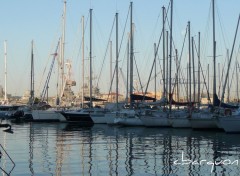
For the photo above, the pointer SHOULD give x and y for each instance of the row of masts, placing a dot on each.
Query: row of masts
(167, 59)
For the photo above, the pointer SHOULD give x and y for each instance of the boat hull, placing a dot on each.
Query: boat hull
(77, 117)
(230, 124)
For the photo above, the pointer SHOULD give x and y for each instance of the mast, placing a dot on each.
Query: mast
(32, 77)
(131, 57)
(111, 77)
(230, 59)
(170, 56)
(194, 83)
(82, 61)
(90, 57)
(164, 56)
(177, 66)
(214, 54)
(228, 82)
(189, 60)
(128, 58)
(237, 80)
(5, 73)
(63, 47)
(167, 62)
(117, 59)
(199, 69)
(155, 77)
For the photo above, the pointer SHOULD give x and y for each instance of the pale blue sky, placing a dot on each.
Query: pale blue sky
(40, 20)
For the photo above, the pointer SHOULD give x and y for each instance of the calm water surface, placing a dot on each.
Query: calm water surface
(64, 149)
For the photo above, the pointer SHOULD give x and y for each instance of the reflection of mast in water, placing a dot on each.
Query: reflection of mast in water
(166, 169)
(110, 157)
(129, 154)
(59, 152)
(31, 142)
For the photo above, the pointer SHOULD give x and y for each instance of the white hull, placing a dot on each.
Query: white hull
(180, 119)
(182, 122)
(156, 118)
(46, 115)
(99, 118)
(230, 124)
(203, 119)
(127, 121)
(204, 123)
(122, 114)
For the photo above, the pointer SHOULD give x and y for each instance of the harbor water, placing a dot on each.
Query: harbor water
(42, 149)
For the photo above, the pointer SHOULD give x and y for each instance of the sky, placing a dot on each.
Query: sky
(40, 21)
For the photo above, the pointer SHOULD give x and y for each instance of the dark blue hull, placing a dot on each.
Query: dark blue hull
(80, 118)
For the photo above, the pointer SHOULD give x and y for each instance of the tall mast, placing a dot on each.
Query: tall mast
(117, 59)
(177, 66)
(214, 54)
(164, 56)
(90, 57)
(128, 56)
(193, 69)
(63, 45)
(32, 76)
(5, 73)
(82, 60)
(199, 69)
(167, 59)
(237, 80)
(155, 76)
(170, 56)
(111, 76)
(131, 57)
(230, 59)
(189, 60)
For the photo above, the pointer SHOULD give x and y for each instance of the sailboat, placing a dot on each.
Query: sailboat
(229, 120)
(160, 117)
(125, 116)
(82, 116)
(207, 118)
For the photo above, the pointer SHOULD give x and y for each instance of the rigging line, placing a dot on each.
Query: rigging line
(105, 55)
(138, 74)
(204, 80)
(232, 50)
(178, 64)
(205, 87)
(124, 29)
(230, 85)
(111, 83)
(221, 82)
(155, 55)
(84, 30)
(154, 31)
(221, 26)
(234, 69)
